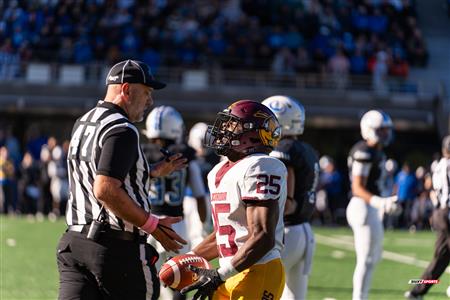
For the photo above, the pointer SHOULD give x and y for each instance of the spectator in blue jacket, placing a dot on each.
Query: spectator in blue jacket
(406, 190)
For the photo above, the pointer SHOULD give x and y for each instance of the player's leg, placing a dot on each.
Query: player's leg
(368, 246)
(292, 255)
(262, 281)
(306, 262)
(375, 248)
(298, 260)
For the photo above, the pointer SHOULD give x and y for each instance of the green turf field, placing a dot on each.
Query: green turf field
(28, 268)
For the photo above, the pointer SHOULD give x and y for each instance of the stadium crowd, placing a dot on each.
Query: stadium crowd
(33, 182)
(287, 37)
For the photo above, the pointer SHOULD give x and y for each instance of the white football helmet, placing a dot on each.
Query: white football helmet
(290, 113)
(376, 126)
(164, 122)
(197, 136)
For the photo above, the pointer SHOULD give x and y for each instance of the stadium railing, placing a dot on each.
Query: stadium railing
(92, 74)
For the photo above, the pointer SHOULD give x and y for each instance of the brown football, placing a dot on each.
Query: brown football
(175, 272)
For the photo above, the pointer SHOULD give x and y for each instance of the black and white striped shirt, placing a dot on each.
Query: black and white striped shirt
(441, 183)
(105, 142)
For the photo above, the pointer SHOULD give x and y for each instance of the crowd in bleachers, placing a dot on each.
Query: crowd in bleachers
(338, 36)
(33, 182)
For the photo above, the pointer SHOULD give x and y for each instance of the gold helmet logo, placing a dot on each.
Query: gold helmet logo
(270, 133)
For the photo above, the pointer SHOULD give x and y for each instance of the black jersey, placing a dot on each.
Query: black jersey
(167, 193)
(372, 160)
(304, 160)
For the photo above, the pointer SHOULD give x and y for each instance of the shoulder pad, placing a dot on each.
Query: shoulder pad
(280, 155)
(360, 155)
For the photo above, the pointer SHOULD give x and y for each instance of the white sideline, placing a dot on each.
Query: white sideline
(347, 245)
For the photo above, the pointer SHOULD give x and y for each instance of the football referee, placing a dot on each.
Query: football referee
(103, 254)
(440, 223)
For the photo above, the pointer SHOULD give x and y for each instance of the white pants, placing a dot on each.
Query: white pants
(180, 228)
(297, 257)
(367, 227)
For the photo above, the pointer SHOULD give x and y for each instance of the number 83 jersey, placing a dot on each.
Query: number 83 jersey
(233, 185)
(167, 193)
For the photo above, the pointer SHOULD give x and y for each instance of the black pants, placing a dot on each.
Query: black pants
(441, 256)
(107, 269)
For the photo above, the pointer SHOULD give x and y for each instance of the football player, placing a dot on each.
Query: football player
(368, 180)
(302, 163)
(164, 129)
(248, 192)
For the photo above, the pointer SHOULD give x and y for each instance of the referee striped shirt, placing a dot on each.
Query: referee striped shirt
(105, 142)
(441, 182)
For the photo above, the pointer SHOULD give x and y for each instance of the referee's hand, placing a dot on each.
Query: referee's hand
(168, 238)
(165, 167)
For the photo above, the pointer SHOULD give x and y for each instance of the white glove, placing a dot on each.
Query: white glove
(389, 205)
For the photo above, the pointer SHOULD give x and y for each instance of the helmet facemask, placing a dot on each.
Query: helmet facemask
(384, 135)
(224, 134)
(244, 128)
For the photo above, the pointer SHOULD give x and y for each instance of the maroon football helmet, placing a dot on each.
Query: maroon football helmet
(245, 127)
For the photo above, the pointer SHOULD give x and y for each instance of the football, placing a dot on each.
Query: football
(175, 272)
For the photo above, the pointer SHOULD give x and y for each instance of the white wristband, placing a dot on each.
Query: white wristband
(226, 271)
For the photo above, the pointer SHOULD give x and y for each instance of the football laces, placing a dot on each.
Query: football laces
(189, 260)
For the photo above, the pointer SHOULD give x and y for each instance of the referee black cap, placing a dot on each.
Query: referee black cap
(133, 71)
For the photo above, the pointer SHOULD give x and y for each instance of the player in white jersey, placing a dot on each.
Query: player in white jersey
(366, 163)
(302, 163)
(248, 193)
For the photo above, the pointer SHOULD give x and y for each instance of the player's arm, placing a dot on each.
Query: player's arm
(198, 189)
(359, 189)
(360, 173)
(360, 169)
(288, 157)
(207, 248)
(119, 154)
(291, 204)
(262, 219)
